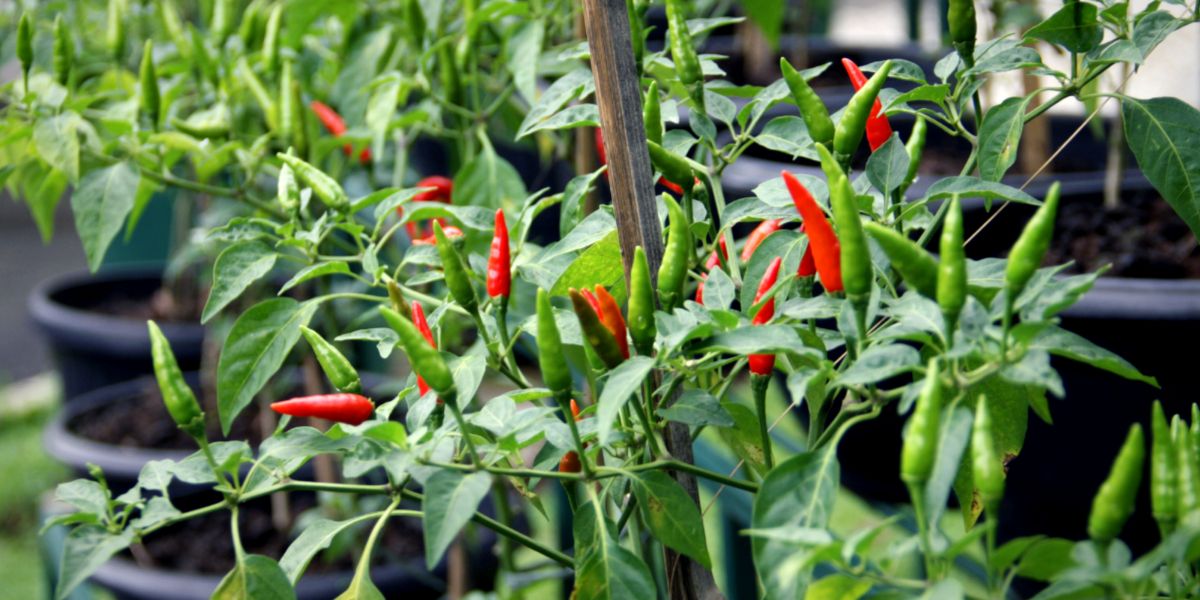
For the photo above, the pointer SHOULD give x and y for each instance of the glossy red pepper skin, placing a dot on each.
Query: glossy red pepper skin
(879, 130)
(757, 236)
(808, 264)
(610, 316)
(351, 409)
(418, 318)
(442, 191)
(430, 240)
(763, 364)
(334, 123)
(499, 273)
(826, 250)
(602, 154)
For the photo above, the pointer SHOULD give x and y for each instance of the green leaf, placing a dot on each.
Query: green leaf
(974, 187)
(43, 197)
(1163, 134)
(671, 514)
(57, 142)
(697, 408)
(255, 349)
(718, 290)
(84, 494)
(468, 371)
(571, 117)
(361, 587)
(451, 498)
(838, 587)
(1151, 29)
(604, 569)
(798, 492)
(758, 339)
(880, 362)
(337, 267)
(1074, 27)
(953, 436)
(385, 338)
(101, 203)
(235, 269)
(999, 136)
(316, 537)
(84, 550)
(522, 52)
(1009, 406)
(572, 201)
(621, 383)
(256, 577)
(788, 134)
(600, 264)
(489, 181)
(573, 85)
(1045, 559)
(1060, 342)
(888, 165)
(784, 243)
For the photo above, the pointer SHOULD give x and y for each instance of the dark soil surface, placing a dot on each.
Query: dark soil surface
(1143, 237)
(204, 545)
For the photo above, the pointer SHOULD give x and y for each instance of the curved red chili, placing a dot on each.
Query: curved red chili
(878, 127)
(610, 316)
(499, 273)
(763, 364)
(441, 190)
(808, 265)
(334, 123)
(827, 252)
(757, 236)
(418, 317)
(351, 409)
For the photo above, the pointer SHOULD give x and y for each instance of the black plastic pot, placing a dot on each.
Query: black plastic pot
(92, 348)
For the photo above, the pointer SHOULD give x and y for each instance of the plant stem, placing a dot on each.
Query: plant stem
(759, 383)
(363, 571)
(918, 501)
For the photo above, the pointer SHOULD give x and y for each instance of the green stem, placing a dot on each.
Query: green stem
(759, 383)
(364, 563)
(917, 492)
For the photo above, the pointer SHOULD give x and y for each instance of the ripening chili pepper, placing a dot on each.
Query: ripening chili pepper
(1030, 248)
(1164, 489)
(64, 51)
(324, 187)
(812, 107)
(418, 319)
(987, 469)
(952, 266)
(757, 236)
(763, 364)
(272, 38)
(570, 460)
(857, 272)
(149, 101)
(862, 113)
(338, 370)
(683, 52)
(916, 266)
(114, 28)
(351, 409)
(673, 272)
(551, 359)
(456, 272)
(674, 168)
(915, 148)
(1114, 502)
(499, 273)
(921, 436)
(610, 316)
(1187, 469)
(452, 233)
(641, 304)
(425, 359)
(177, 395)
(826, 250)
(652, 114)
(335, 125)
(601, 340)
(960, 19)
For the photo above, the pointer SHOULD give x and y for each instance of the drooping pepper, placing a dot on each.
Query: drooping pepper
(149, 100)
(674, 168)
(1164, 490)
(987, 469)
(683, 52)
(601, 340)
(952, 266)
(425, 359)
(418, 319)
(114, 28)
(455, 271)
(272, 38)
(610, 316)
(757, 236)
(921, 437)
(551, 358)
(864, 112)
(857, 272)
(177, 395)
(1114, 502)
(652, 114)
(602, 155)
(812, 107)
(1188, 470)
(960, 19)
(64, 51)
(826, 250)
(336, 366)
(763, 364)
(916, 266)
(335, 125)
(499, 273)
(25, 47)
(1030, 248)
(915, 147)
(673, 272)
(324, 187)
(641, 304)
(351, 409)
(221, 25)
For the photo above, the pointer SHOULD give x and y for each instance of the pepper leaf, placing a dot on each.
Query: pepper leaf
(235, 269)
(256, 577)
(622, 382)
(451, 498)
(1162, 133)
(101, 203)
(671, 514)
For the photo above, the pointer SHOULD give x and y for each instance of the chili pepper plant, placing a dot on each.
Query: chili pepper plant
(849, 316)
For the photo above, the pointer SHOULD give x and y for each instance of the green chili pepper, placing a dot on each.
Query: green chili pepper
(324, 187)
(150, 100)
(916, 266)
(208, 69)
(652, 114)
(288, 108)
(177, 395)
(1196, 433)
(683, 53)
(396, 297)
(672, 274)
(337, 368)
(272, 39)
(425, 359)
(251, 20)
(414, 22)
(25, 47)
(1031, 247)
(987, 469)
(1187, 469)
(449, 74)
(1164, 492)
(597, 335)
(915, 148)
(457, 278)
(857, 272)
(551, 357)
(812, 107)
(641, 304)
(64, 51)
(637, 34)
(674, 168)
(921, 436)
(1114, 501)
(221, 25)
(960, 17)
(952, 266)
(287, 192)
(259, 91)
(849, 132)
(174, 27)
(114, 29)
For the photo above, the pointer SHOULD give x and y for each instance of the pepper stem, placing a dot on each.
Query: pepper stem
(759, 383)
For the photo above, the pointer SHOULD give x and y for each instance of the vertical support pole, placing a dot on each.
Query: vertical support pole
(618, 94)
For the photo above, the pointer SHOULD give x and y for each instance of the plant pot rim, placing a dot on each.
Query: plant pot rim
(91, 331)
(1130, 298)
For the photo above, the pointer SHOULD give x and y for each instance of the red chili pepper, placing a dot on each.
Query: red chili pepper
(808, 265)
(757, 236)
(418, 315)
(499, 273)
(570, 460)
(602, 154)
(430, 240)
(710, 264)
(878, 127)
(337, 126)
(343, 408)
(610, 316)
(441, 191)
(763, 364)
(826, 251)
